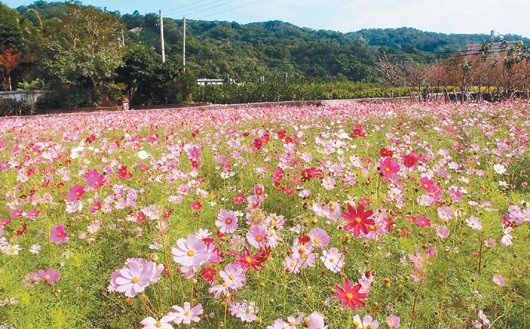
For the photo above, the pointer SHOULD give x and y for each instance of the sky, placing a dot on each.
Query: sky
(446, 16)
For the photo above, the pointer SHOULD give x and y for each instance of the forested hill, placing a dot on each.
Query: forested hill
(408, 39)
(278, 50)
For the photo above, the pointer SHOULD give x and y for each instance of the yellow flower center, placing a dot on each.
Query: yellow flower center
(46, 277)
(387, 169)
(248, 260)
(358, 220)
(349, 296)
(187, 313)
(158, 324)
(317, 240)
(191, 253)
(372, 227)
(229, 221)
(332, 260)
(259, 238)
(231, 277)
(135, 280)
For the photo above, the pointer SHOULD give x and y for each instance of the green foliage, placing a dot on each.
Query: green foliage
(10, 30)
(82, 44)
(273, 92)
(10, 107)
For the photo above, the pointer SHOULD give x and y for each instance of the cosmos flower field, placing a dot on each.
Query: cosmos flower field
(409, 215)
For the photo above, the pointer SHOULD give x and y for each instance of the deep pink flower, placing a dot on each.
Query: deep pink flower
(196, 205)
(58, 234)
(94, 179)
(359, 220)
(76, 193)
(239, 198)
(389, 168)
(350, 296)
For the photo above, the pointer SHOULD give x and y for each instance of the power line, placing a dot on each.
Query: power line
(230, 10)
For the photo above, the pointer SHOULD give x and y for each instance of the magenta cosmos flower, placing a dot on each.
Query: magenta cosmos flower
(76, 193)
(94, 179)
(226, 221)
(350, 296)
(49, 276)
(190, 252)
(58, 234)
(389, 168)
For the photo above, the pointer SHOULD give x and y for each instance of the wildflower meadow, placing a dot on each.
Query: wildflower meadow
(411, 215)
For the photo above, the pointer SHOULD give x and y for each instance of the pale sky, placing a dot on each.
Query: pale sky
(447, 16)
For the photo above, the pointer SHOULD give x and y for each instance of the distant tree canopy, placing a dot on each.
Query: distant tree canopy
(83, 43)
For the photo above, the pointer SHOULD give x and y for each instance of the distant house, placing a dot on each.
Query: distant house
(207, 82)
(496, 43)
(135, 29)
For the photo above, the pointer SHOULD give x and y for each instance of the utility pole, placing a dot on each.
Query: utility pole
(184, 46)
(162, 37)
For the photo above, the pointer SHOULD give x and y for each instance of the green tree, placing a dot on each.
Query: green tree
(82, 45)
(10, 30)
(137, 72)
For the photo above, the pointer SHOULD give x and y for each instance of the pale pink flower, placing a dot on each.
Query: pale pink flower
(191, 251)
(258, 236)
(332, 259)
(319, 237)
(226, 221)
(152, 323)
(186, 314)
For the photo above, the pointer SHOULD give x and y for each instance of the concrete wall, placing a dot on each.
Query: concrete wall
(28, 96)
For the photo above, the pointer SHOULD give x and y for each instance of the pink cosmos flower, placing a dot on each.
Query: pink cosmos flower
(333, 260)
(186, 314)
(257, 236)
(442, 231)
(152, 323)
(95, 207)
(427, 185)
(239, 198)
(196, 205)
(498, 279)
(389, 168)
(49, 276)
(226, 221)
(16, 213)
(32, 214)
(58, 234)
(350, 296)
(319, 237)
(94, 179)
(474, 223)
(259, 189)
(422, 221)
(233, 276)
(315, 321)
(393, 321)
(76, 193)
(134, 278)
(367, 322)
(191, 251)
